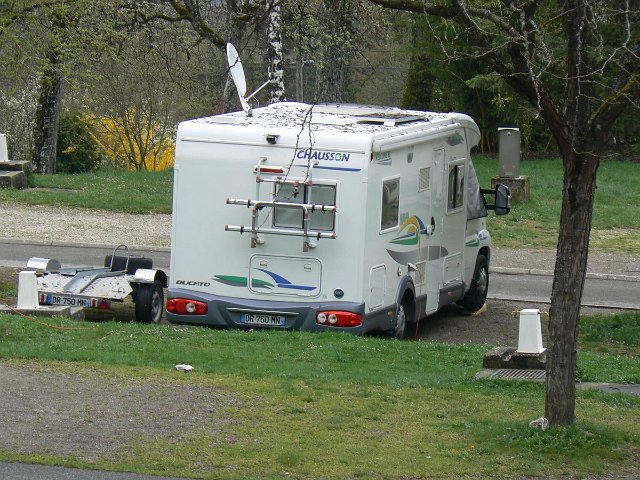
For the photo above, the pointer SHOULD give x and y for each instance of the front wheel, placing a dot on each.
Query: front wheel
(149, 299)
(477, 294)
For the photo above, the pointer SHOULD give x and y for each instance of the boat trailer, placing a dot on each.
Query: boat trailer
(97, 287)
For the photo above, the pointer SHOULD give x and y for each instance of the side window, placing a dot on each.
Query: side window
(390, 203)
(455, 186)
(317, 194)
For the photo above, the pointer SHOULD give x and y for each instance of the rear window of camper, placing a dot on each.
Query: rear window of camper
(317, 194)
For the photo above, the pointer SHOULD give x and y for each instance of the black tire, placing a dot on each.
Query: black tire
(149, 300)
(403, 326)
(476, 296)
(119, 262)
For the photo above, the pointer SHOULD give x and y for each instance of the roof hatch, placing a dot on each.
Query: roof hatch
(388, 119)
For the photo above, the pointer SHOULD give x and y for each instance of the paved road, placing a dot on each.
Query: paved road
(16, 254)
(599, 290)
(25, 471)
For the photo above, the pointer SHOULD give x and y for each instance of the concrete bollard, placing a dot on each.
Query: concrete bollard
(530, 334)
(27, 290)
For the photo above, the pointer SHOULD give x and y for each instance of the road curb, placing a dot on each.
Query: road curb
(549, 273)
(17, 241)
(156, 248)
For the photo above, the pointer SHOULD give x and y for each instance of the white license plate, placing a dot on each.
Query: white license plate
(68, 301)
(262, 319)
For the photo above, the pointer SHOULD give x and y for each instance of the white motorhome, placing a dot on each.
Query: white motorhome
(327, 217)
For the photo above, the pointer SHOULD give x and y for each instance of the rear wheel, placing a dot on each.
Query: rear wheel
(149, 299)
(476, 296)
(400, 329)
(404, 322)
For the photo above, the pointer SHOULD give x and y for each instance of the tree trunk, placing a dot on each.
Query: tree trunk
(419, 87)
(45, 133)
(418, 90)
(570, 270)
(331, 77)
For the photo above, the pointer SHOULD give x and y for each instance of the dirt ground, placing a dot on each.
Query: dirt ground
(93, 414)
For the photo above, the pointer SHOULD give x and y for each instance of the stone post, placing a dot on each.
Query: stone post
(509, 165)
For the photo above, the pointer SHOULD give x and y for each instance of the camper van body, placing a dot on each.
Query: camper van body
(325, 217)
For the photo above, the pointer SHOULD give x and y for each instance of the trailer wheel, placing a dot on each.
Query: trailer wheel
(149, 300)
(476, 296)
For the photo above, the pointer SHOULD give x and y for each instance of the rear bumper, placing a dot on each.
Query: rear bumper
(226, 311)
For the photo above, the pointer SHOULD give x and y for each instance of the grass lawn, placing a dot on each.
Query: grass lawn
(117, 190)
(616, 215)
(340, 406)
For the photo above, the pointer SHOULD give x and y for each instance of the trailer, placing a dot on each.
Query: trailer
(121, 276)
(327, 217)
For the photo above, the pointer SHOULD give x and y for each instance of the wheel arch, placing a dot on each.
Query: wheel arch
(486, 251)
(145, 275)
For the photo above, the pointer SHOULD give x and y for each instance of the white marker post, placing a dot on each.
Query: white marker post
(530, 335)
(27, 290)
(4, 152)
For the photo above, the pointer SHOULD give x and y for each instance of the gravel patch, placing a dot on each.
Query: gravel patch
(92, 414)
(53, 223)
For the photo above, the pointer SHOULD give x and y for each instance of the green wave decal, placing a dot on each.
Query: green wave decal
(410, 231)
(235, 281)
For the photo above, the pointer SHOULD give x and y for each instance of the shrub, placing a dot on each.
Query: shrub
(77, 151)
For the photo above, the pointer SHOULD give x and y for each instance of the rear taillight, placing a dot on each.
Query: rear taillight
(184, 306)
(103, 304)
(338, 318)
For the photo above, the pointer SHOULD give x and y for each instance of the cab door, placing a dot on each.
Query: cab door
(448, 223)
(454, 220)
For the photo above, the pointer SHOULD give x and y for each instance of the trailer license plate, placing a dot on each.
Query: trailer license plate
(68, 301)
(262, 319)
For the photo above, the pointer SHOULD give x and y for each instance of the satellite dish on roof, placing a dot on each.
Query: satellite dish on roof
(236, 70)
(237, 74)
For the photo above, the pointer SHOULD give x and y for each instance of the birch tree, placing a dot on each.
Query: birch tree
(274, 53)
(577, 62)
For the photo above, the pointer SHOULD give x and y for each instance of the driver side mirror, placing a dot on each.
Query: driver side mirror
(501, 197)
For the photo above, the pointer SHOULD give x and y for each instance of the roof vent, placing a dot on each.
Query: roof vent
(388, 119)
